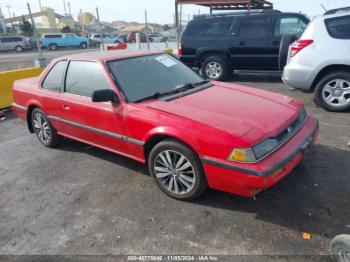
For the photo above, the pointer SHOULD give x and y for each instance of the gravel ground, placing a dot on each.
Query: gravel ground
(81, 200)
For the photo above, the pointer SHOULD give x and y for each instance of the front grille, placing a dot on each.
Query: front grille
(261, 150)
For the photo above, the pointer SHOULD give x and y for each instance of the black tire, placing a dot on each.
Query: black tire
(19, 49)
(286, 41)
(54, 139)
(215, 60)
(83, 45)
(200, 183)
(320, 88)
(340, 245)
(53, 47)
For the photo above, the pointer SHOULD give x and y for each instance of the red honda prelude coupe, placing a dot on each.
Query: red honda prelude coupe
(192, 133)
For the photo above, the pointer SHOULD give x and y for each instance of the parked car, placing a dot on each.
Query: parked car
(221, 43)
(107, 39)
(54, 41)
(123, 38)
(192, 133)
(320, 60)
(14, 43)
(157, 37)
(131, 38)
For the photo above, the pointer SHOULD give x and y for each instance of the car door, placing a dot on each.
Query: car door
(250, 47)
(285, 24)
(101, 124)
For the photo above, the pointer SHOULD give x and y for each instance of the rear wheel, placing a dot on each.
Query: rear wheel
(215, 68)
(53, 47)
(177, 170)
(83, 45)
(43, 129)
(332, 92)
(19, 49)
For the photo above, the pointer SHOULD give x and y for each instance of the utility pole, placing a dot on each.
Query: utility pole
(2, 21)
(64, 6)
(35, 32)
(8, 9)
(69, 10)
(147, 37)
(82, 22)
(100, 27)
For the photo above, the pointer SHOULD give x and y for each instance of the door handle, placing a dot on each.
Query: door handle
(66, 108)
(242, 43)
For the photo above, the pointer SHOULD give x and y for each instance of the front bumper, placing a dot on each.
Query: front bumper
(249, 179)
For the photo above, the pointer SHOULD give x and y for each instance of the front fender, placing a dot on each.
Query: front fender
(181, 134)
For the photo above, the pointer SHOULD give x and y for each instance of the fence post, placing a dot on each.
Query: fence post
(147, 37)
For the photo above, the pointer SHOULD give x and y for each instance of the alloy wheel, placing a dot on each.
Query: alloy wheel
(213, 70)
(42, 128)
(337, 93)
(174, 172)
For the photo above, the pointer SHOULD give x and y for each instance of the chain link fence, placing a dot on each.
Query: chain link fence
(22, 41)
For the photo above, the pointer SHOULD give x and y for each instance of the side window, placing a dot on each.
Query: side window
(255, 27)
(289, 26)
(83, 78)
(339, 27)
(53, 80)
(218, 27)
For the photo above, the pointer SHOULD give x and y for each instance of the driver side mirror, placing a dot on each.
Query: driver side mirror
(104, 95)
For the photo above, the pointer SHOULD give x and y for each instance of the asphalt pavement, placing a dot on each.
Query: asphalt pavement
(81, 200)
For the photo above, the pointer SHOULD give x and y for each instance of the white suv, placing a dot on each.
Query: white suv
(320, 60)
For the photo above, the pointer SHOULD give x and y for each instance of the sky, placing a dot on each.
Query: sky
(159, 11)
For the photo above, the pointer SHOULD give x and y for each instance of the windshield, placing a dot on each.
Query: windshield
(141, 77)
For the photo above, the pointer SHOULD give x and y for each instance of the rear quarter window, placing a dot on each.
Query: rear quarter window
(209, 27)
(53, 36)
(338, 27)
(53, 80)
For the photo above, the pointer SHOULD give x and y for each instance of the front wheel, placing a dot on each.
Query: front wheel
(332, 92)
(177, 170)
(43, 129)
(340, 247)
(214, 68)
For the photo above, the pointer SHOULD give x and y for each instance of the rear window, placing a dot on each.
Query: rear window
(339, 27)
(209, 27)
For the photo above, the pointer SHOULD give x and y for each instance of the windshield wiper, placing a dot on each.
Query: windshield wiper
(176, 90)
(187, 86)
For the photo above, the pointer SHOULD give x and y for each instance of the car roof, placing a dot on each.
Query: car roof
(109, 55)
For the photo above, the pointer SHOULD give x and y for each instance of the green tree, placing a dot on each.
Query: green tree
(166, 27)
(66, 29)
(26, 27)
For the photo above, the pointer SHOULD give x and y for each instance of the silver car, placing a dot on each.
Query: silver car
(320, 60)
(14, 43)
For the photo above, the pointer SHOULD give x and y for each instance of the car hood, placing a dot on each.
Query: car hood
(235, 109)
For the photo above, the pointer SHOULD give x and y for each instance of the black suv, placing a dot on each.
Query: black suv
(221, 43)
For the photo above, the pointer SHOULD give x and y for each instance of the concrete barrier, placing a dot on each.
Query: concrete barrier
(6, 82)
